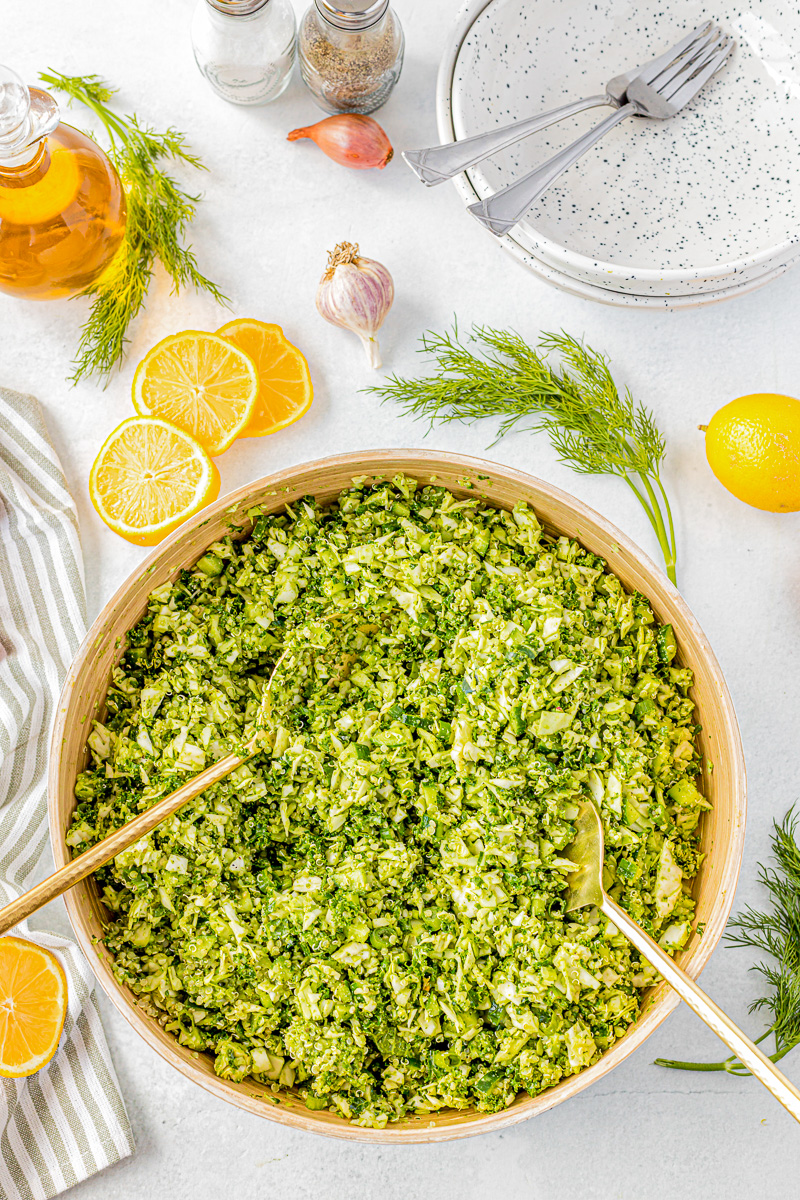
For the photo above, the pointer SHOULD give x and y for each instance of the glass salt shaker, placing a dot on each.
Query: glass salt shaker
(351, 53)
(245, 48)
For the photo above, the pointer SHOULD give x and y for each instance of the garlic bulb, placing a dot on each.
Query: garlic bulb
(356, 293)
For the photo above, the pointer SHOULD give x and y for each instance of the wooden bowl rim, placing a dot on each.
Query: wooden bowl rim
(380, 463)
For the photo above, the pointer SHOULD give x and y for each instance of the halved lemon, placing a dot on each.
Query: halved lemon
(33, 1006)
(149, 477)
(285, 390)
(200, 382)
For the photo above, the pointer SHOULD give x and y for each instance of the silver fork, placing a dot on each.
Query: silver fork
(657, 91)
(435, 164)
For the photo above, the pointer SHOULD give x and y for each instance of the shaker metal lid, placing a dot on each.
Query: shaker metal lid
(237, 8)
(352, 14)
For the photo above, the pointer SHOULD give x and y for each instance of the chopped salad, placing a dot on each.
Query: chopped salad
(370, 909)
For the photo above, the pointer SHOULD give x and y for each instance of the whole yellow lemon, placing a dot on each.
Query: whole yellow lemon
(753, 448)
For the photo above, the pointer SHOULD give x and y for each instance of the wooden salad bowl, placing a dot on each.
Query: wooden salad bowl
(722, 828)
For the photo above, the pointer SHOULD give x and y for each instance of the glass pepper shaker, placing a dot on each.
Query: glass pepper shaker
(351, 53)
(245, 48)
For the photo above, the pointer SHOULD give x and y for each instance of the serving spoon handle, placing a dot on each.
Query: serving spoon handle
(584, 887)
(746, 1051)
(102, 852)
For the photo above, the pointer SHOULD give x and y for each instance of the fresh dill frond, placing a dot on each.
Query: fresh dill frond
(594, 428)
(774, 932)
(159, 211)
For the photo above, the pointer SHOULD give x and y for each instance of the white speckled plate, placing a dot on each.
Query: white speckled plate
(620, 299)
(706, 202)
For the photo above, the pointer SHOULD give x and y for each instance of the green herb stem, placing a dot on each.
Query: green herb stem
(677, 1065)
(593, 428)
(643, 501)
(666, 536)
(159, 211)
(775, 933)
(731, 1064)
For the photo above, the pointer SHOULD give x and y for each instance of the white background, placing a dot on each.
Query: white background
(271, 212)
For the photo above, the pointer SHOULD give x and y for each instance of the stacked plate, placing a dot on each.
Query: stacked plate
(690, 211)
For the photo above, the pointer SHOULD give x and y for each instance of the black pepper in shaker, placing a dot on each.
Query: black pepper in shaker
(351, 53)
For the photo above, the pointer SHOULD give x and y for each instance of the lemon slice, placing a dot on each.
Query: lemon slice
(33, 1006)
(200, 382)
(148, 478)
(285, 389)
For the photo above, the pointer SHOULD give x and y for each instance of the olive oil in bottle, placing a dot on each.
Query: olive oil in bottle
(62, 206)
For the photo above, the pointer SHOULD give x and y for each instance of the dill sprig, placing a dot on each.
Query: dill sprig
(776, 934)
(159, 210)
(594, 429)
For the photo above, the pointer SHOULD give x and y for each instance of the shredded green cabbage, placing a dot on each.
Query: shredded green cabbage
(370, 910)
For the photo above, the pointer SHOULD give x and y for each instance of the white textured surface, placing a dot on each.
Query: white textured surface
(271, 211)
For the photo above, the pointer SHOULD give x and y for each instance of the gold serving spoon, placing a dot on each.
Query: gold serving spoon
(102, 852)
(585, 887)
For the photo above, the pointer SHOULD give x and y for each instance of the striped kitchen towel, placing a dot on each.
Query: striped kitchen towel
(67, 1121)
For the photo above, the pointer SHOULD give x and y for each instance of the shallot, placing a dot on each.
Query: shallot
(350, 139)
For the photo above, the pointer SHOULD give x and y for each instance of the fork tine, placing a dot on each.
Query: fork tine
(697, 64)
(654, 68)
(700, 77)
(667, 86)
(689, 61)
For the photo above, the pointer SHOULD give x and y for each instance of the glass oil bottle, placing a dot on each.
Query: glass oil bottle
(62, 206)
